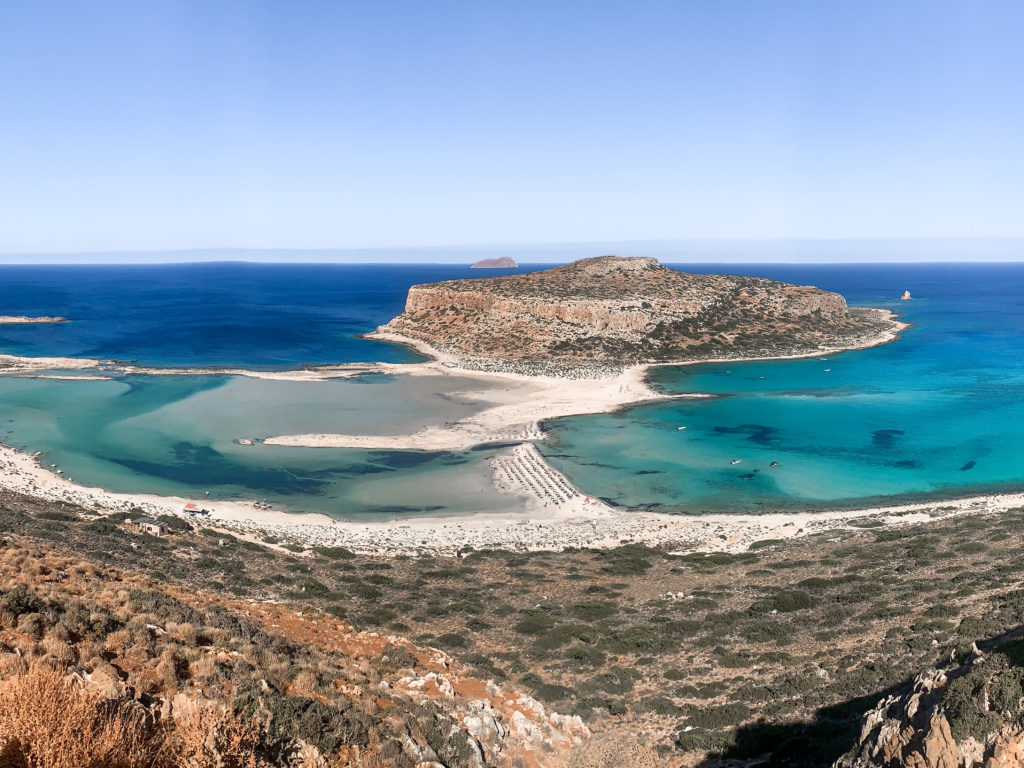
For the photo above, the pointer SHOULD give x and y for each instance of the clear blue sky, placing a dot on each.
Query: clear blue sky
(164, 124)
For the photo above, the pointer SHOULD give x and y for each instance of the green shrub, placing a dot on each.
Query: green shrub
(594, 610)
(630, 560)
(584, 654)
(722, 716)
(335, 553)
(964, 702)
(765, 543)
(784, 601)
(704, 741)
(452, 640)
(175, 523)
(766, 632)
(535, 622)
(62, 517)
(313, 588)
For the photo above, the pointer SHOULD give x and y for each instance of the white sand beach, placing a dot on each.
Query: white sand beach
(554, 514)
(515, 404)
(576, 522)
(518, 403)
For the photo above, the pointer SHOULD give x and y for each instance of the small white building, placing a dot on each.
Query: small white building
(150, 526)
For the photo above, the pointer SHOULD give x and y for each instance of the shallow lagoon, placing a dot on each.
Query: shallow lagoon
(937, 413)
(175, 435)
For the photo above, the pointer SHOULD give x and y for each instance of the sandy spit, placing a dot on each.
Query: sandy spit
(516, 404)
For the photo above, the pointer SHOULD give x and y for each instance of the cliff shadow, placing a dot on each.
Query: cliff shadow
(833, 730)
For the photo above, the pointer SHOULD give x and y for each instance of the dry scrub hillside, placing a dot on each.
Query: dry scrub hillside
(104, 668)
(772, 655)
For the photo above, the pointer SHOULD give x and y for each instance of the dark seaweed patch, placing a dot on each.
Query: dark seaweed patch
(885, 438)
(201, 465)
(398, 509)
(758, 434)
(402, 459)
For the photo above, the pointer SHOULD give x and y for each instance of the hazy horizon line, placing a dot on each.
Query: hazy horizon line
(691, 250)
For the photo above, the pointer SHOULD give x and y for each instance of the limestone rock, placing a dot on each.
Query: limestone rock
(912, 731)
(616, 311)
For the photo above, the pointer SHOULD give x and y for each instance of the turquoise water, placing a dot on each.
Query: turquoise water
(175, 435)
(937, 413)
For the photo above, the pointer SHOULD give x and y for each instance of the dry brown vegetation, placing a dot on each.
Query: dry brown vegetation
(102, 667)
(47, 720)
(50, 719)
(780, 649)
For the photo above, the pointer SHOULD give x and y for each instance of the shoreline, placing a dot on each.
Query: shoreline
(555, 514)
(516, 411)
(581, 522)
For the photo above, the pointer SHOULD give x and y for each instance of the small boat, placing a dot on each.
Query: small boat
(827, 370)
(679, 429)
(736, 461)
(774, 464)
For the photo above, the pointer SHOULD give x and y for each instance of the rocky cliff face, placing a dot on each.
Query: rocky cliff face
(965, 717)
(616, 311)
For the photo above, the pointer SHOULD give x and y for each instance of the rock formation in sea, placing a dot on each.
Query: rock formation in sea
(503, 262)
(23, 320)
(615, 311)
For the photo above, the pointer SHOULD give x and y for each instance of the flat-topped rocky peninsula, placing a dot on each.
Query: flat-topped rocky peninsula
(613, 312)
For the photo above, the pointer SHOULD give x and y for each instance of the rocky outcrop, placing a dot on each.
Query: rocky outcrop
(616, 311)
(23, 320)
(503, 262)
(966, 717)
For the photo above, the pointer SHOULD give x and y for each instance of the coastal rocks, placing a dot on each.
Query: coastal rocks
(611, 311)
(907, 730)
(498, 723)
(106, 681)
(966, 717)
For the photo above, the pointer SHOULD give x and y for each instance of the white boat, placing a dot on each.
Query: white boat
(736, 461)
(678, 429)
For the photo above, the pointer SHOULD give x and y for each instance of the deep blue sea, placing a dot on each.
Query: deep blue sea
(937, 413)
(253, 315)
